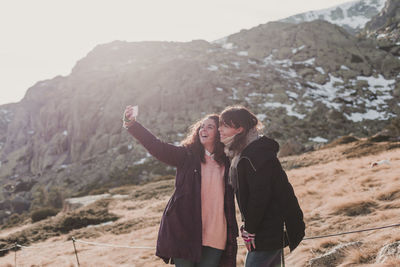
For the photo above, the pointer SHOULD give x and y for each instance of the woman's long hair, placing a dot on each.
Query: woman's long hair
(239, 116)
(192, 141)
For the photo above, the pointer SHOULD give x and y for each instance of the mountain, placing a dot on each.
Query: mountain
(309, 83)
(385, 28)
(352, 16)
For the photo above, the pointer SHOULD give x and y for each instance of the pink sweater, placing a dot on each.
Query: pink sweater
(212, 204)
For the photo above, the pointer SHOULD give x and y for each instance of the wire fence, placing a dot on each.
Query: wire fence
(17, 246)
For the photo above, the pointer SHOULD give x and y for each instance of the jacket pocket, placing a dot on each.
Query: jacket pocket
(172, 203)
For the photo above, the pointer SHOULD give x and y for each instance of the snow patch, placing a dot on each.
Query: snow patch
(349, 15)
(292, 94)
(290, 73)
(224, 43)
(212, 68)
(295, 50)
(236, 64)
(219, 89)
(243, 53)
(289, 109)
(326, 93)
(318, 139)
(380, 36)
(228, 46)
(255, 94)
(369, 115)
(308, 104)
(140, 161)
(261, 116)
(377, 83)
(254, 75)
(310, 61)
(270, 61)
(320, 70)
(234, 94)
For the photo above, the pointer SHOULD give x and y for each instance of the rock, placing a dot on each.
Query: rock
(344, 15)
(19, 205)
(334, 256)
(77, 202)
(382, 136)
(292, 147)
(320, 78)
(24, 185)
(388, 251)
(389, 14)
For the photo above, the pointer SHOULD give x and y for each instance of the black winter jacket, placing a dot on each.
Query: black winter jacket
(266, 198)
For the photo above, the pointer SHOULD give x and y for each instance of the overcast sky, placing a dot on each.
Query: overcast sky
(40, 39)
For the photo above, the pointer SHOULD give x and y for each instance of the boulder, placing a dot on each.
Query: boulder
(77, 202)
(292, 147)
(388, 251)
(334, 256)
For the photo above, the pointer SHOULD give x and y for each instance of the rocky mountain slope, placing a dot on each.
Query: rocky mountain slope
(385, 28)
(352, 16)
(308, 83)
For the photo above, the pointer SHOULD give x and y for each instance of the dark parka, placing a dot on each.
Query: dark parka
(180, 233)
(266, 198)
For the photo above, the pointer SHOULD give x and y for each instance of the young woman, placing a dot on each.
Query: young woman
(265, 197)
(198, 226)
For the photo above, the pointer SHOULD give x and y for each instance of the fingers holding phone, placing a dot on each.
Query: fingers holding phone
(129, 116)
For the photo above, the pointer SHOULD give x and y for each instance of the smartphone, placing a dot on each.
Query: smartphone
(135, 111)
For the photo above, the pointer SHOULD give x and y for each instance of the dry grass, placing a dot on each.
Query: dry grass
(347, 194)
(355, 207)
(341, 149)
(337, 193)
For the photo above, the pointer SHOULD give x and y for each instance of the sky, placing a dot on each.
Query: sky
(42, 39)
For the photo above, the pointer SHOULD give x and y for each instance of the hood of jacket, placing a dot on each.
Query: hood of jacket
(260, 151)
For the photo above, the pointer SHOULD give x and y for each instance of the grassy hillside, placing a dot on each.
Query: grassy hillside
(337, 187)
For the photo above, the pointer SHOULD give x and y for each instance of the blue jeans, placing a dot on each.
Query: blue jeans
(270, 258)
(209, 258)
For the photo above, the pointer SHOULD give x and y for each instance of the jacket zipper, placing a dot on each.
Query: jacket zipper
(198, 173)
(238, 188)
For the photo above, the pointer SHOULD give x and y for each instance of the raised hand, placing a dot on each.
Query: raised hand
(129, 116)
(249, 239)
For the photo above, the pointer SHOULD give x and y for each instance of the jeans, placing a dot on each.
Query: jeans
(209, 258)
(271, 258)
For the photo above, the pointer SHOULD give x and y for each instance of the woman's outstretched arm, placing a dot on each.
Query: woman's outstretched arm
(167, 153)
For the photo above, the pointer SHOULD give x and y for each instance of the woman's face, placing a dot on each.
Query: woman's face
(226, 131)
(208, 132)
